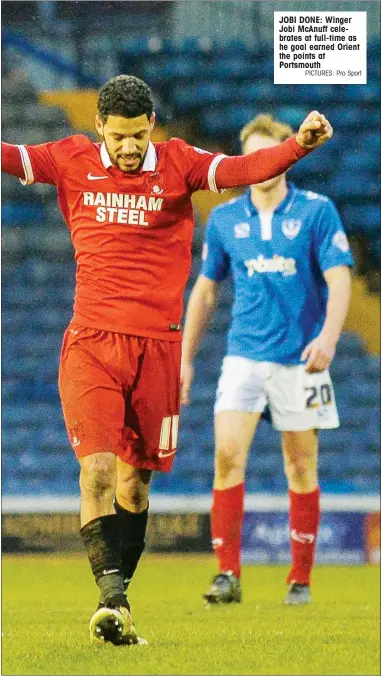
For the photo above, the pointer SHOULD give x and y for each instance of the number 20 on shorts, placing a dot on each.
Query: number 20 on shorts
(325, 396)
(169, 433)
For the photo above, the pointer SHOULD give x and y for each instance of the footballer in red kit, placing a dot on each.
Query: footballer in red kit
(127, 204)
(129, 279)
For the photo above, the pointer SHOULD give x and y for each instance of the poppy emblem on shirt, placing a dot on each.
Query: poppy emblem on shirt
(291, 227)
(155, 184)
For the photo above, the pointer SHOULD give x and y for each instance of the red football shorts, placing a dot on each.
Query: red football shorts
(121, 394)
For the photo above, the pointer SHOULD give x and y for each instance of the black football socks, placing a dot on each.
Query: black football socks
(132, 529)
(101, 538)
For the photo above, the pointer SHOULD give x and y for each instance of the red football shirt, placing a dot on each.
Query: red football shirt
(132, 233)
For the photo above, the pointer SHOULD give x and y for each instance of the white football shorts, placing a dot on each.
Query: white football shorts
(297, 400)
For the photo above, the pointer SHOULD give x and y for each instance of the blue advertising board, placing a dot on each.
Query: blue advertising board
(265, 538)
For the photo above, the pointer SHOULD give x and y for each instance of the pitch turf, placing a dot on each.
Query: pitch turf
(47, 602)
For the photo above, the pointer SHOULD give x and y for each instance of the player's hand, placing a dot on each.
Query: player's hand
(319, 354)
(186, 379)
(314, 131)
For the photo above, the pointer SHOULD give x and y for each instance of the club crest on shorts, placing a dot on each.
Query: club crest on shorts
(291, 227)
(76, 434)
(155, 184)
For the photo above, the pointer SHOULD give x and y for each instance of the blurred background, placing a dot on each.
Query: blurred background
(210, 65)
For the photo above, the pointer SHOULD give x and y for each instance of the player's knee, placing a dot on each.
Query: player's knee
(301, 472)
(228, 458)
(300, 457)
(98, 475)
(132, 492)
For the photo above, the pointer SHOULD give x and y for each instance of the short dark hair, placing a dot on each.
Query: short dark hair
(125, 96)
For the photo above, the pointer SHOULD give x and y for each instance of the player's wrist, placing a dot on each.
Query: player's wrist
(300, 140)
(300, 145)
(329, 338)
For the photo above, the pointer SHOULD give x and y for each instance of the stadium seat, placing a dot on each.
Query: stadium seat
(371, 140)
(365, 160)
(168, 71)
(374, 249)
(13, 191)
(189, 45)
(260, 93)
(351, 344)
(363, 93)
(22, 213)
(355, 187)
(346, 116)
(362, 218)
(143, 46)
(293, 115)
(364, 394)
(310, 93)
(47, 116)
(198, 95)
(231, 47)
(226, 121)
(319, 162)
(234, 68)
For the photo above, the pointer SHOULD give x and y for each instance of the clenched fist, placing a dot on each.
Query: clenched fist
(314, 131)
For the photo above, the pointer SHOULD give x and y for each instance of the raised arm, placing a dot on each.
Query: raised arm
(201, 305)
(232, 172)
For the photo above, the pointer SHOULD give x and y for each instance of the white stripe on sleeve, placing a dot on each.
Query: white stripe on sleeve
(212, 173)
(27, 166)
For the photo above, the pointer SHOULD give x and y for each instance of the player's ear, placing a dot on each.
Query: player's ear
(99, 125)
(152, 121)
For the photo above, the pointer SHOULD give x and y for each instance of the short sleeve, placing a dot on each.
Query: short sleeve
(198, 166)
(43, 163)
(331, 242)
(215, 260)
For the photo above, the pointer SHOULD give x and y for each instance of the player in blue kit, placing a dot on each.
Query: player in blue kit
(289, 257)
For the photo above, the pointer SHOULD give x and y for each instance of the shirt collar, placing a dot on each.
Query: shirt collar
(149, 163)
(284, 206)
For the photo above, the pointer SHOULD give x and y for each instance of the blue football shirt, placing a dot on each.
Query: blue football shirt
(277, 260)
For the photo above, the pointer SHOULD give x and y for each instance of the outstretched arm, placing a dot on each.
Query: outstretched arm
(11, 160)
(264, 164)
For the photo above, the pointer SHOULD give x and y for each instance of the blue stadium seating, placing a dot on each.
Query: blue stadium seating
(21, 213)
(234, 68)
(193, 96)
(220, 86)
(355, 187)
(325, 93)
(361, 160)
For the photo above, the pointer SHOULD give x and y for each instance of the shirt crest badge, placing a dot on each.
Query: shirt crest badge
(242, 230)
(291, 227)
(155, 184)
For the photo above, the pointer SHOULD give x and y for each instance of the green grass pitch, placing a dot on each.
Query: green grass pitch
(48, 600)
